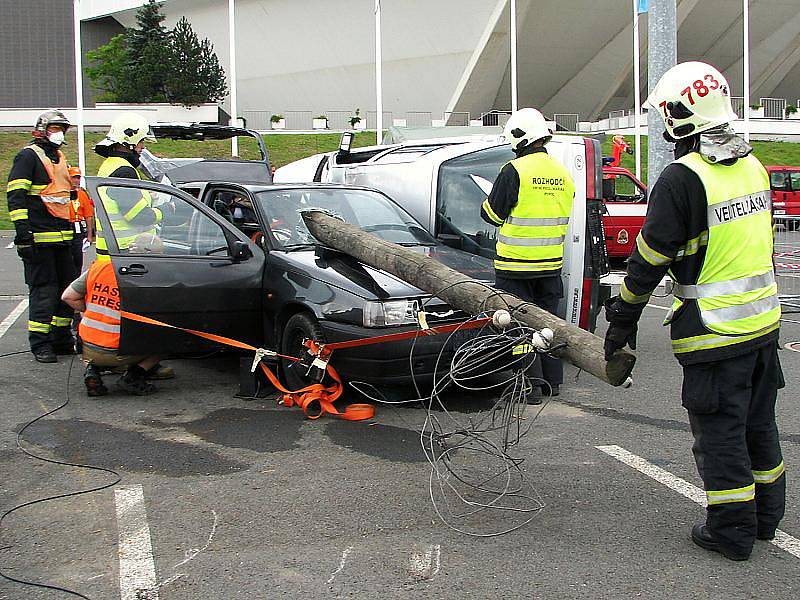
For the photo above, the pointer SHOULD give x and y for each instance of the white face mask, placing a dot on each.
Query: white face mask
(56, 137)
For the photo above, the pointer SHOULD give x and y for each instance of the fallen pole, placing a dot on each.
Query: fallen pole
(581, 348)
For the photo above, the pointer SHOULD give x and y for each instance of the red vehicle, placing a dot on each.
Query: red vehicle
(784, 183)
(625, 199)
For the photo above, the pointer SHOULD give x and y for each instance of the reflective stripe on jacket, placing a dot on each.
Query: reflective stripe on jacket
(100, 324)
(735, 291)
(125, 231)
(532, 237)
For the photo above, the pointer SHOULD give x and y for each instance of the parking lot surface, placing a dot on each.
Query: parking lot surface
(225, 498)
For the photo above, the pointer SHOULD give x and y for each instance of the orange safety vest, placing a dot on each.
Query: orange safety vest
(101, 321)
(56, 195)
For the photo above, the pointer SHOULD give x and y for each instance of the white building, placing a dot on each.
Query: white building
(439, 56)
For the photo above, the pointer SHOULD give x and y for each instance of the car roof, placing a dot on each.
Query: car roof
(261, 187)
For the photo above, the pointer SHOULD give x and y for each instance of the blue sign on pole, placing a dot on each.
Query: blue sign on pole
(643, 6)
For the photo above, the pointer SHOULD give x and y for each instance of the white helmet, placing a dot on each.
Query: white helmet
(524, 127)
(128, 129)
(692, 97)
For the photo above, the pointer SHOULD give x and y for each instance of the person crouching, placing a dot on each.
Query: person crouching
(96, 294)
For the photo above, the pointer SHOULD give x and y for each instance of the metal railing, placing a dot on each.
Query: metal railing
(737, 102)
(298, 119)
(787, 262)
(416, 118)
(495, 118)
(339, 119)
(456, 119)
(372, 119)
(257, 119)
(566, 122)
(774, 108)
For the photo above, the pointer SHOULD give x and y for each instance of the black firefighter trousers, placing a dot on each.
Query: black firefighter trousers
(48, 274)
(731, 406)
(546, 293)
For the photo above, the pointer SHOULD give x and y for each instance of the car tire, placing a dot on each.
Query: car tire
(299, 327)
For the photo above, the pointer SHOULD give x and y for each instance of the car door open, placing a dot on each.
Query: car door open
(179, 263)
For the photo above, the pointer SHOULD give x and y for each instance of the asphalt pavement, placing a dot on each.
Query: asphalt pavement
(225, 498)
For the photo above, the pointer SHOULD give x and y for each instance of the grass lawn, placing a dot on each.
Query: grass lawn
(285, 148)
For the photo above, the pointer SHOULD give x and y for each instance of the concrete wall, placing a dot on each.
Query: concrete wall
(36, 52)
(105, 113)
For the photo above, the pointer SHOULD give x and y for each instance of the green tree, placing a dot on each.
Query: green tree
(108, 69)
(150, 63)
(195, 75)
(149, 54)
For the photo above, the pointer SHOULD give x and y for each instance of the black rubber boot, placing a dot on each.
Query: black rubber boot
(93, 382)
(134, 382)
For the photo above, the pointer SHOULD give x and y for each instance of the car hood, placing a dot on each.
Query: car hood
(345, 272)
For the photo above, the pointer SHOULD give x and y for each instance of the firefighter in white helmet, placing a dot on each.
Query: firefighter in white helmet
(130, 211)
(531, 202)
(709, 224)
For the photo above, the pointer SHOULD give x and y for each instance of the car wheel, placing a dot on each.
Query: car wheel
(298, 328)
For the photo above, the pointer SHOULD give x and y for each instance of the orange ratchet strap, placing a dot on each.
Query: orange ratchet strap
(314, 400)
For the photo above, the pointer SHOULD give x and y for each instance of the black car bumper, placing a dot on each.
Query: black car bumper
(391, 362)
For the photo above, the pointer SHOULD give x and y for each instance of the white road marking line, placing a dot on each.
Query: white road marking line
(137, 570)
(13, 316)
(343, 560)
(10, 245)
(664, 308)
(782, 540)
(425, 565)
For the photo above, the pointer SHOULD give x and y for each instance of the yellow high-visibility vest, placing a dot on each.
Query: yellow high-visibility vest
(124, 231)
(532, 237)
(736, 292)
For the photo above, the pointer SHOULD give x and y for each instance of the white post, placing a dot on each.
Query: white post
(378, 75)
(637, 99)
(513, 10)
(234, 106)
(79, 85)
(746, 61)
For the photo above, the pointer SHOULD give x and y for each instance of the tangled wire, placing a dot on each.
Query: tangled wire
(477, 483)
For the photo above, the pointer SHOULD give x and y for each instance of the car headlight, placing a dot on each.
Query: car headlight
(394, 312)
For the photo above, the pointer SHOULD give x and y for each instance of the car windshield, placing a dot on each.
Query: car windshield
(370, 211)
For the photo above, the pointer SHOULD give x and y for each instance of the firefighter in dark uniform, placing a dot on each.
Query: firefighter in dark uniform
(709, 225)
(531, 202)
(38, 195)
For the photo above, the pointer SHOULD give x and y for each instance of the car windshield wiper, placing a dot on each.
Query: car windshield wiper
(411, 244)
(293, 247)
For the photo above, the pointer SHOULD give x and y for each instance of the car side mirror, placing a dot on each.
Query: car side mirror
(240, 251)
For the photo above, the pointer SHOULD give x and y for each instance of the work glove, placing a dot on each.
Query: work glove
(622, 327)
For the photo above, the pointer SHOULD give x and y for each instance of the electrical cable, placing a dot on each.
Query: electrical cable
(117, 479)
(473, 471)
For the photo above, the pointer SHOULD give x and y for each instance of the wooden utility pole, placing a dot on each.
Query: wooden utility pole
(582, 349)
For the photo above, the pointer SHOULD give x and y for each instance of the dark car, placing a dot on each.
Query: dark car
(239, 262)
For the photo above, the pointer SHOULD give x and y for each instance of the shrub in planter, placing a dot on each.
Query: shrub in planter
(320, 122)
(356, 118)
(792, 112)
(278, 122)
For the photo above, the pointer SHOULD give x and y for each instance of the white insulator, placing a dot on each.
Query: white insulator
(501, 318)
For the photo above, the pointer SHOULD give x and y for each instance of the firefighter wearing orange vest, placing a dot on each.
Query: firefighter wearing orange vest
(38, 195)
(96, 294)
(82, 218)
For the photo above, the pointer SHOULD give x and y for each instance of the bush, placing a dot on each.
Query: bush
(356, 118)
(755, 106)
(790, 110)
(275, 118)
